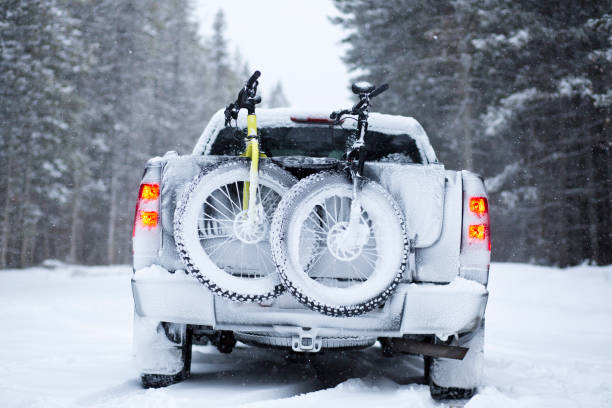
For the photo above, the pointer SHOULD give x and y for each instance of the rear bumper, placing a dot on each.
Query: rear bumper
(413, 309)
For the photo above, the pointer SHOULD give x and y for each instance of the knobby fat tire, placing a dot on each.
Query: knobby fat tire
(279, 232)
(208, 174)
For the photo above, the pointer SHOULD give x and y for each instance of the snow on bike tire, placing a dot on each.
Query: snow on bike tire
(326, 269)
(214, 236)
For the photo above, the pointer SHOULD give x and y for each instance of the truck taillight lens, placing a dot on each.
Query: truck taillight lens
(148, 218)
(476, 235)
(149, 191)
(479, 206)
(147, 231)
(147, 207)
(478, 211)
(477, 231)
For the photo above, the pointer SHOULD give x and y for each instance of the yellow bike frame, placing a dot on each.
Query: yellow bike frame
(249, 190)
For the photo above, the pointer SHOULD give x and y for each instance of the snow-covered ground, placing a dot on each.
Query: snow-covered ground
(66, 341)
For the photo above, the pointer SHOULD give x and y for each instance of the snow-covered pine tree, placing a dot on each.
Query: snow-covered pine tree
(422, 49)
(221, 70)
(89, 90)
(277, 98)
(552, 109)
(523, 89)
(40, 46)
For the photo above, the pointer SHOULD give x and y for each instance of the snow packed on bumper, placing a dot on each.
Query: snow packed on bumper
(414, 308)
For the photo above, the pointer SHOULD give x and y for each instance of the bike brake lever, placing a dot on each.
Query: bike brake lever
(228, 115)
(336, 115)
(231, 112)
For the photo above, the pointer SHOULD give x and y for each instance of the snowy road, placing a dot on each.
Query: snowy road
(66, 341)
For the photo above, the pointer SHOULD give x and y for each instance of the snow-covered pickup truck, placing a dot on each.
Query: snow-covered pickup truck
(435, 309)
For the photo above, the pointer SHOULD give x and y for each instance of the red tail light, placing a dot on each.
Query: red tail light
(148, 218)
(477, 221)
(147, 207)
(147, 231)
(479, 206)
(149, 191)
(477, 231)
(476, 240)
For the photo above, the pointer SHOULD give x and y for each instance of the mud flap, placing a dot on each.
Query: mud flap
(161, 348)
(462, 374)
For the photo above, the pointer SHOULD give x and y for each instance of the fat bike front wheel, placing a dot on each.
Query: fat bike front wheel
(335, 263)
(225, 246)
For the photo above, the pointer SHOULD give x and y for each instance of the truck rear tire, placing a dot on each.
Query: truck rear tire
(450, 393)
(459, 379)
(162, 351)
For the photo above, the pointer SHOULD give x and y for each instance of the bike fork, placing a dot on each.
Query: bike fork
(355, 212)
(249, 191)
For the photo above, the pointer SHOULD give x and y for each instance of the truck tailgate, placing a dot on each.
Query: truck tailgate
(418, 189)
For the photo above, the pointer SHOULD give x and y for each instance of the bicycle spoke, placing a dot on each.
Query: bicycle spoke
(239, 195)
(218, 246)
(270, 191)
(369, 261)
(207, 217)
(320, 233)
(204, 237)
(321, 219)
(228, 195)
(328, 214)
(220, 202)
(218, 211)
(267, 264)
(357, 273)
(312, 264)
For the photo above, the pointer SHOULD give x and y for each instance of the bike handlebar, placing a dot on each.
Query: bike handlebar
(253, 79)
(379, 90)
(247, 98)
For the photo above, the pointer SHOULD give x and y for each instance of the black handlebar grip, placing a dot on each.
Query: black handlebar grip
(379, 90)
(253, 79)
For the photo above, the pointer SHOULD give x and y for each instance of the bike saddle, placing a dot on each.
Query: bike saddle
(362, 87)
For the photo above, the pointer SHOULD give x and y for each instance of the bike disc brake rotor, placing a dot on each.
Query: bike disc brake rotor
(250, 231)
(347, 245)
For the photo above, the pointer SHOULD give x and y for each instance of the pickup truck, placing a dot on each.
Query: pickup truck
(436, 310)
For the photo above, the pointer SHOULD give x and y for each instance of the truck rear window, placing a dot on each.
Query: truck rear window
(318, 141)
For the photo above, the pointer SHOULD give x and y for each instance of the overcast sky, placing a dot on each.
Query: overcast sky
(291, 41)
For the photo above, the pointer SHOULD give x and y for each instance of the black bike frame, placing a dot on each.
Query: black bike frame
(356, 156)
(358, 149)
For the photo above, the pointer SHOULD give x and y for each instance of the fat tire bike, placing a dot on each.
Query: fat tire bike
(338, 239)
(222, 221)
